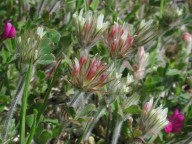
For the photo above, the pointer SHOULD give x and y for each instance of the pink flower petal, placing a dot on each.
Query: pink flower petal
(7, 29)
(12, 32)
(168, 128)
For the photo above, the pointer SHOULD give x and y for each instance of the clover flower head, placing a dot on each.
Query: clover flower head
(89, 27)
(88, 74)
(118, 41)
(152, 120)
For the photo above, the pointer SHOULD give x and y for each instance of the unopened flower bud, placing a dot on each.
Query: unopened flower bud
(187, 37)
(139, 67)
(92, 72)
(130, 121)
(148, 105)
(103, 78)
(76, 67)
(83, 58)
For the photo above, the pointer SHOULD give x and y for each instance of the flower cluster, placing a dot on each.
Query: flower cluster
(89, 28)
(31, 45)
(119, 85)
(88, 74)
(9, 31)
(176, 122)
(152, 120)
(118, 41)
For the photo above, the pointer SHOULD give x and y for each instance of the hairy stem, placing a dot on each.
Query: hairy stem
(117, 131)
(108, 125)
(188, 51)
(91, 125)
(75, 102)
(24, 103)
(12, 108)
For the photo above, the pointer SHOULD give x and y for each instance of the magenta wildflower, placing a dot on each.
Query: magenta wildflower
(9, 30)
(176, 122)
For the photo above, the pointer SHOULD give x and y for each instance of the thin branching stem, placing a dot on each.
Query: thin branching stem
(161, 8)
(44, 104)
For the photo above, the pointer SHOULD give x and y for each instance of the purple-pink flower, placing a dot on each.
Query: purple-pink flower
(176, 122)
(9, 30)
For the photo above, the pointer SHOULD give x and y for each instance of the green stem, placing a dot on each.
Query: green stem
(188, 104)
(24, 103)
(91, 125)
(86, 5)
(44, 104)
(20, 5)
(1, 44)
(161, 8)
(8, 92)
(33, 128)
(108, 125)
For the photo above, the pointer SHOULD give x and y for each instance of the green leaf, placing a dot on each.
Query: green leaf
(45, 137)
(71, 111)
(29, 120)
(94, 4)
(53, 121)
(46, 59)
(41, 75)
(45, 46)
(53, 35)
(134, 109)
(172, 72)
(79, 3)
(131, 14)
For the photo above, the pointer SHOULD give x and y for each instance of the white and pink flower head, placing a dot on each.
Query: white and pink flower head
(118, 41)
(88, 74)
